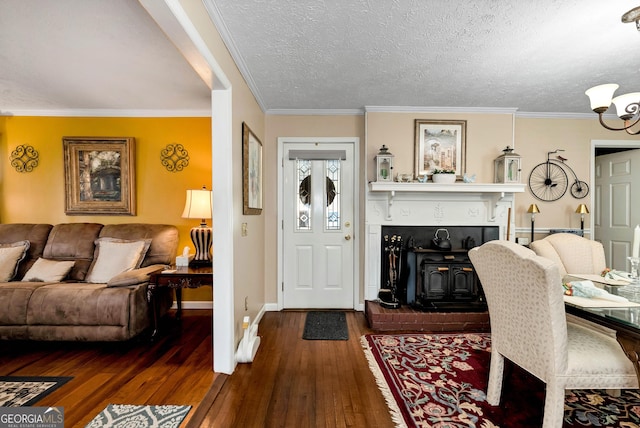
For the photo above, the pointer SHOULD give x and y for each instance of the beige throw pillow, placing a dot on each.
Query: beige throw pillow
(45, 270)
(115, 256)
(10, 256)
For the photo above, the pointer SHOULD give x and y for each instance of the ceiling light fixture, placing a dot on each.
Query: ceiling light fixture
(627, 105)
(632, 16)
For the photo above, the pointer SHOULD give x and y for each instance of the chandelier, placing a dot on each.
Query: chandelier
(627, 106)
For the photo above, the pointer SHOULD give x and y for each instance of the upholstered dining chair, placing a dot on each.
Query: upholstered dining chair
(526, 312)
(572, 253)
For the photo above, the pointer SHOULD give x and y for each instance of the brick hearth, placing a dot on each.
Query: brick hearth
(406, 318)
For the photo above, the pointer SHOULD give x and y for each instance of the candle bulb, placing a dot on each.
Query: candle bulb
(636, 242)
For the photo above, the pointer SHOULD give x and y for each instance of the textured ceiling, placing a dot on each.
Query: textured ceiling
(313, 54)
(536, 56)
(91, 54)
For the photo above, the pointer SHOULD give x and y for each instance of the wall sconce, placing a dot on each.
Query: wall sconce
(582, 210)
(533, 210)
(199, 205)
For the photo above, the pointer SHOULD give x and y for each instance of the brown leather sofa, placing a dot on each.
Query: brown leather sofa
(73, 309)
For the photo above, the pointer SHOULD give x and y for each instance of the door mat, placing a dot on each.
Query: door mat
(127, 415)
(19, 391)
(326, 325)
(441, 379)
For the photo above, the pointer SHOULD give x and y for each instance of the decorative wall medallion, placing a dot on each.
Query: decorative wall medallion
(174, 157)
(24, 158)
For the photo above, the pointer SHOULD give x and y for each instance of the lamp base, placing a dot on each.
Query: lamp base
(202, 239)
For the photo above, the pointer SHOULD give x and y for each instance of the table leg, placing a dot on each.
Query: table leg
(631, 348)
(179, 302)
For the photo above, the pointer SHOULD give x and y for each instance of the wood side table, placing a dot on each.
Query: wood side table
(176, 279)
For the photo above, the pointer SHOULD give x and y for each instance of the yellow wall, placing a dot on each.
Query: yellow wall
(39, 196)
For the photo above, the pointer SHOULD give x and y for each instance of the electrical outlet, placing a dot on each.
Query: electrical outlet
(246, 303)
(244, 229)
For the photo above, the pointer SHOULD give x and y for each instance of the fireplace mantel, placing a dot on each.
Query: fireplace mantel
(433, 204)
(494, 191)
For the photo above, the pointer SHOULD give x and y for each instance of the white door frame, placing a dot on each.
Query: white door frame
(356, 209)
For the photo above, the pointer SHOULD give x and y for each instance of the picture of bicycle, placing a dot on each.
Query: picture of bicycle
(548, 181)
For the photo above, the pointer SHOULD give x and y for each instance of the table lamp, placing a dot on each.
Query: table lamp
(533, 210)
(582, 210)
(199, 205)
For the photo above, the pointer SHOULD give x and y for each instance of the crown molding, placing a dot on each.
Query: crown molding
(417, 109)
(315, 112)
(555, 115)
(107, 113)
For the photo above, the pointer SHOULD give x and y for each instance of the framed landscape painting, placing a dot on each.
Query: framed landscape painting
(440, 144)
(252, 172)
(99, 175)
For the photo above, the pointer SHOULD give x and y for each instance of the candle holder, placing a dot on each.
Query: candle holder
(635, 261)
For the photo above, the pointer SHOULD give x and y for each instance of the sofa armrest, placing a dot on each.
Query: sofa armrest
(134, 276)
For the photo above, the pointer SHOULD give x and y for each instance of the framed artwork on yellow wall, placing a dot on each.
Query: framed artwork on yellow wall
(99, 175)
(252, 172)
(440, 144)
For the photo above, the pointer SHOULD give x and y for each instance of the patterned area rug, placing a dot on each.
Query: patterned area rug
(19, 391)
(130, 416)
(440, 380)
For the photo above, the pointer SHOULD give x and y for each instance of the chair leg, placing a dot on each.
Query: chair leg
(553, 406)
(496, 371)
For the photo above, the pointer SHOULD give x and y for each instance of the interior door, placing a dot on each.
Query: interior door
(617, 183)
(318, 244)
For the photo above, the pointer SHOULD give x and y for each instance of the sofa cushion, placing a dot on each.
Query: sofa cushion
(163, 247)
(135, 276)
(36, 234)
(114, 256)
(45, 270)
(73, 241)
(10, 256)
(15, 299)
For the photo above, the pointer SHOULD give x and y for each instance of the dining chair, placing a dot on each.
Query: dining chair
(572, 253)
(528, 327)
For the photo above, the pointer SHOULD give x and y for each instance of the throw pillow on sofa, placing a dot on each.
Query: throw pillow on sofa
(45, 270)
(10, 256)
(114, 256)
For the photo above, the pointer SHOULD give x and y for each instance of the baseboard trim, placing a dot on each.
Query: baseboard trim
(193, 304)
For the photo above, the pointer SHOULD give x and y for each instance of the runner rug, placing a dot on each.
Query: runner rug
(125, 415)
(326, 325)
(440, 380)
(19, 391)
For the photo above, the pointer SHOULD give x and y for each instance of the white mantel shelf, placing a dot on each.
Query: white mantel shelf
(495, 191)
(376, 186)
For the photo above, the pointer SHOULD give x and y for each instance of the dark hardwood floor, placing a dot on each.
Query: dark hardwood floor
(175, 369)
(292, 382)
(298, 383)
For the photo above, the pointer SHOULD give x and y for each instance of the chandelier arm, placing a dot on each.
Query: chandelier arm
(628, 124)
(610, 127)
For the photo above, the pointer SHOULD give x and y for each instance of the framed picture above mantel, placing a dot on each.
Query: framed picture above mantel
(99, 175)
(440, 144)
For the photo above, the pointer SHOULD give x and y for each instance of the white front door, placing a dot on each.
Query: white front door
(318, 245)
(617, 185)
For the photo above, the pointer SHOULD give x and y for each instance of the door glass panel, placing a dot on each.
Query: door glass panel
(303, 208)
(332, 194)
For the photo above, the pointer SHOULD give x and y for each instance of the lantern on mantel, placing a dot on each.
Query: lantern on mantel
(507, 167)
(384, 165)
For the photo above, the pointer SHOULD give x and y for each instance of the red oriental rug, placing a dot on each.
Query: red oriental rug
(440, 380)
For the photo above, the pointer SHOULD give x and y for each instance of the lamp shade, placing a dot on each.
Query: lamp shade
(582, 209)
(622, 101)
(198, 204)
(600, 96)
(533, 209)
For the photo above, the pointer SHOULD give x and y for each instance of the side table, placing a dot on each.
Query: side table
(176, 279)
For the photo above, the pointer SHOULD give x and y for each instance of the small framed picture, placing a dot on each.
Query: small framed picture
(440, 144)
(252, 172)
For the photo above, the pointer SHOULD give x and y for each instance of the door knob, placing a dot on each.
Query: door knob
(347, 237)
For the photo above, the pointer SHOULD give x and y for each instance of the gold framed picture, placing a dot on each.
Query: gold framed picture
(99, 175)
(252, 172)
(441, 145)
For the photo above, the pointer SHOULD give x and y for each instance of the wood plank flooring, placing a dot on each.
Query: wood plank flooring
(175, 369)
(299, 383)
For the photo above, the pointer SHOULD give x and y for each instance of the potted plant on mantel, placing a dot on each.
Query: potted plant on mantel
(444, 176)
